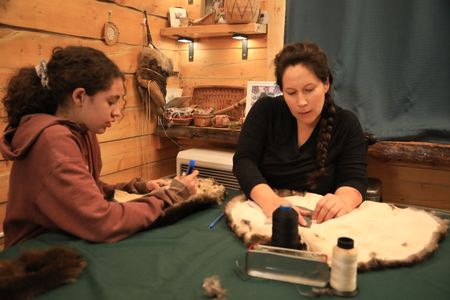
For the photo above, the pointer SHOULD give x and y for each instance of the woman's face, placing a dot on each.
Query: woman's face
(99, 111)
(304, 93)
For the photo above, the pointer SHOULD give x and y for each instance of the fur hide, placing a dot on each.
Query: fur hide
(209, 192)
(385, 235)
(36, 271)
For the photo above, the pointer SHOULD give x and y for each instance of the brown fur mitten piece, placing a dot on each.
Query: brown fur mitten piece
(36, 271)
(209, 192)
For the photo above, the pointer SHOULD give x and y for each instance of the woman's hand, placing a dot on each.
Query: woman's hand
(330, 206)
(154, 184)
(270, 206)
(338, 204)
(266, 198)
(190, 181)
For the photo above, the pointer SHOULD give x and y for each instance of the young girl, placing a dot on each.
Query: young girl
(302, 140)
(54, 113)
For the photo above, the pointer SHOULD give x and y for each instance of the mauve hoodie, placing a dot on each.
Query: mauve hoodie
(54, 185)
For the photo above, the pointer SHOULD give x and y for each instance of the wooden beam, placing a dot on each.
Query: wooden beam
(275, 34)
(432, 154)
(207, 135)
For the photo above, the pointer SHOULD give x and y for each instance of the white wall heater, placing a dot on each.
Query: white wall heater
(210, 163)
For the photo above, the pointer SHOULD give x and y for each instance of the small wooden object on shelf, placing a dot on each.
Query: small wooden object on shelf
(181, 121)
(203, 120)
(241, 11)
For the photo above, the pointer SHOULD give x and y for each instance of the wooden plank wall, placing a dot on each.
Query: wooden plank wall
(412, 184)
(218, 61)
(30, 30)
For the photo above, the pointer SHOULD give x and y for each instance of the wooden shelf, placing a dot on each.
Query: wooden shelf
(191, 135)
(215, 30)
(418, 153)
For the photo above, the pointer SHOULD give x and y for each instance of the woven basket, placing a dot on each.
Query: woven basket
(219, 97)
(241, 11)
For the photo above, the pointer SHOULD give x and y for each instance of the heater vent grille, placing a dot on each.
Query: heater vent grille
(210, 163)
(224, 177)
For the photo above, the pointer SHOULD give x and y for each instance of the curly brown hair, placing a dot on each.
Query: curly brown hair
(314, 58)
(69, 68)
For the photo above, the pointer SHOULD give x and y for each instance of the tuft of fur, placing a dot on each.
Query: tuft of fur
(36, 271)
(213, 288)
(209, 192)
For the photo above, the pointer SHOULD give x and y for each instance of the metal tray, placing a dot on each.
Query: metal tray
(295, 266)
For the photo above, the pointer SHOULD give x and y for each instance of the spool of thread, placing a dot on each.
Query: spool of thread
(344, 267)
(285, 227)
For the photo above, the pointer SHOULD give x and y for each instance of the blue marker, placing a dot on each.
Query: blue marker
(190, 167)
(216, 220)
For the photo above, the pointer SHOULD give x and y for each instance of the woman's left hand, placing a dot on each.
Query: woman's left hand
(330, 206)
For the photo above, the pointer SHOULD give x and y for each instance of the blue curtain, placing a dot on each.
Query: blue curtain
(390, 60)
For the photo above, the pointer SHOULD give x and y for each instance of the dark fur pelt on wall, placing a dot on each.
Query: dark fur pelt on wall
(36, 271)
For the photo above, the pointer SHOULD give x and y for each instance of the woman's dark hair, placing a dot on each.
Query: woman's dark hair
(312, 57)
(69, 68)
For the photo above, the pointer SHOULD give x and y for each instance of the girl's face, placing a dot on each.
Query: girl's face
(304, 93)
(99, 111)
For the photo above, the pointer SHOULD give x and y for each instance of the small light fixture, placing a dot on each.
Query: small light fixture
(239, 36)
(183, 39)
(244, 39)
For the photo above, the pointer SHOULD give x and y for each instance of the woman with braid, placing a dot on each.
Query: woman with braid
(55, 111)
(302, 140)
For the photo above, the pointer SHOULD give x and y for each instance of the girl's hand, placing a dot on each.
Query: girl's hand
(154, 184)
(190, 181)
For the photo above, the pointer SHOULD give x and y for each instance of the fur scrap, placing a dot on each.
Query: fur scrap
(213, 288)
(37, 271)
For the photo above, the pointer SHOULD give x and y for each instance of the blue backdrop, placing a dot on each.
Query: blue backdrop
(390, 61)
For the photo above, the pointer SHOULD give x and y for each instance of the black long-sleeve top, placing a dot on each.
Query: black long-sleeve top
(268, 151)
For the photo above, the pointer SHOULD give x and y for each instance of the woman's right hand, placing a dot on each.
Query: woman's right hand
(266, 198)
(190, 181)
(276, 201)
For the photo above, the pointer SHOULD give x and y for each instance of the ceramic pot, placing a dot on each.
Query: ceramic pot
(203, 120)
(221, 121)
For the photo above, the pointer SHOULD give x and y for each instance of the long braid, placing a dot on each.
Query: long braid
(323, 142)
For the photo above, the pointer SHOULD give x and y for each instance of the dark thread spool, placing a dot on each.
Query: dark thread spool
(285, 227)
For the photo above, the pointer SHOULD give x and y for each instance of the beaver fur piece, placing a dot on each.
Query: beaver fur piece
(36, 271)
(209, 192)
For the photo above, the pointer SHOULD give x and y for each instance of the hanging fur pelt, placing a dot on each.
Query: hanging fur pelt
(36, 271)
(153, 69)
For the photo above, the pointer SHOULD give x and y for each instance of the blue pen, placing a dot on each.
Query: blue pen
(190, 167)
(216, 220)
